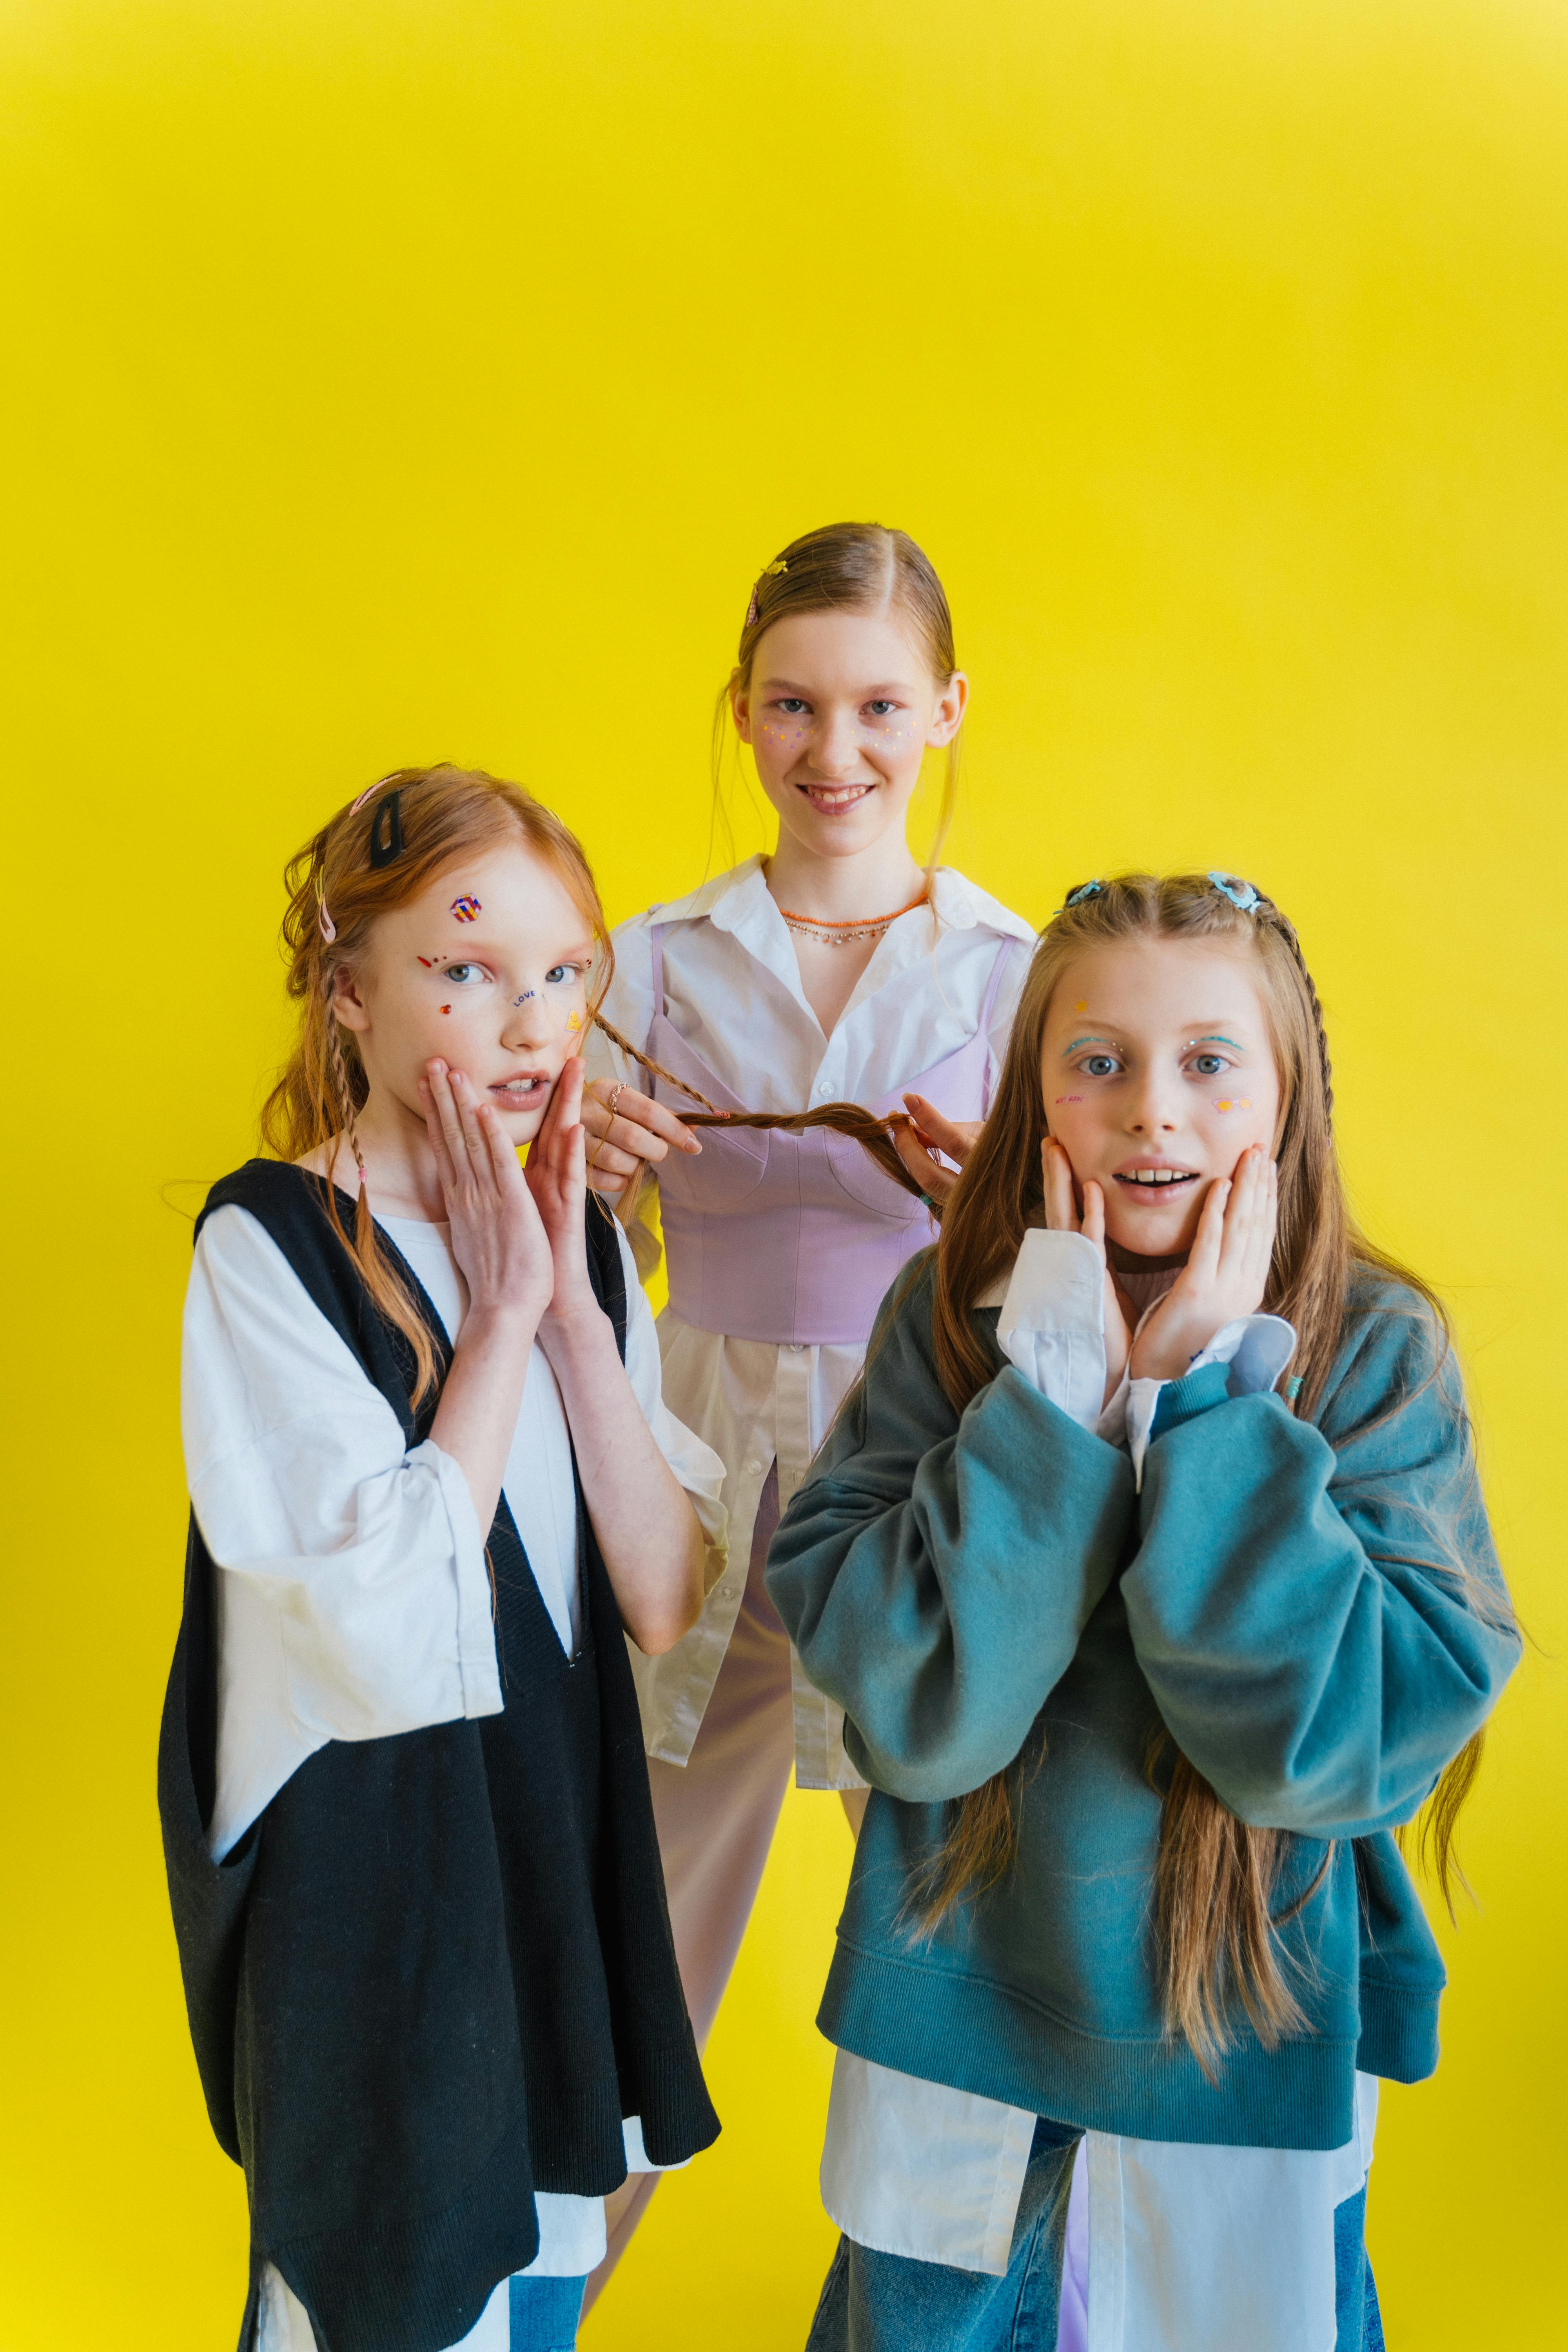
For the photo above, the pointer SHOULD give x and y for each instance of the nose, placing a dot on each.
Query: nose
(1151, 1113)
(835, 750)
(527, 1023)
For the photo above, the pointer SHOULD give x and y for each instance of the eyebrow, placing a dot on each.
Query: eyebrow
(1089, 1037)
(1213, 1037)
(863, 694)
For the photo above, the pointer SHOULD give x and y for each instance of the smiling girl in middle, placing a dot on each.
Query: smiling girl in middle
(837, 968)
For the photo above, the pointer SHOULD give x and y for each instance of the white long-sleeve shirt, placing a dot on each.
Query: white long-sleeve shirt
(732, 991)
(352, 1598)
(1188, 2249)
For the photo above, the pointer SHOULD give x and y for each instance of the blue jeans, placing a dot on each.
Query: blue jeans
(889, 2302)
(544, 2313)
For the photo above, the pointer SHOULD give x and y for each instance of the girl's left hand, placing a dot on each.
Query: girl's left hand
(557, 1178)
(1225, 1276)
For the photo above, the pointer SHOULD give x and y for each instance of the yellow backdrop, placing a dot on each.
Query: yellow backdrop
(393, 379)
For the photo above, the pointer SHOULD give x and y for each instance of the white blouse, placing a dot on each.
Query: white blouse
(352, 1597)
(732, 991)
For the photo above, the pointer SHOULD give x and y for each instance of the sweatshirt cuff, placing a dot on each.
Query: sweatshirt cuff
(1246, 1358)
(1205, 1386)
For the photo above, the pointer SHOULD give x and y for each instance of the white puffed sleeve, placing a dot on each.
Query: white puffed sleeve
(354, 1599)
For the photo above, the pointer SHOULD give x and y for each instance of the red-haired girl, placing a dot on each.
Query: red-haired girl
(838, 968)
(1146, 1663)
(412, 1859)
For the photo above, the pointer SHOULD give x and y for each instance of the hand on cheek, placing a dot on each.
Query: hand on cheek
(1225, 1275)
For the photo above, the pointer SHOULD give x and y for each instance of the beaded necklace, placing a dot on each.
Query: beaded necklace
(843, 935)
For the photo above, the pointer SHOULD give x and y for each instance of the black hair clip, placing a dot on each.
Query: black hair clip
(386, 831)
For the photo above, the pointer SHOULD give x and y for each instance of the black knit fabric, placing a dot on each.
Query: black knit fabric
(438, 1973)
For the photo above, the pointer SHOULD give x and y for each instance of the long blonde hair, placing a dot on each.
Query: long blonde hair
(1216, 1875)
(337, 889)
(849, 567)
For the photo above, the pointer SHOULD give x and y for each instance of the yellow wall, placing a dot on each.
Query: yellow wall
(387, 379)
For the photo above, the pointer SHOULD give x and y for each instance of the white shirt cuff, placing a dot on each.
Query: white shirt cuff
(1052, 1324)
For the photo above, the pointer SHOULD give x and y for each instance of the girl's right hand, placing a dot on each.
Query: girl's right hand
(622, 1143)
(1062, 1217)
(497, 1238)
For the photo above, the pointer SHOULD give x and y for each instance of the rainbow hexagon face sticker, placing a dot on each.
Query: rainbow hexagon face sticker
(465, 910)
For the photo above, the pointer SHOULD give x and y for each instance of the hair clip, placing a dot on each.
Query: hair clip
(372, 788)
(769, 572)
(1242, 895)
(328, 928)
(1085, 890)
(1293, 1387)
(386, 831)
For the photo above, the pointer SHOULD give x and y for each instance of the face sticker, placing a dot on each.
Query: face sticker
(524, 998)
(574, 1021)
(1244, 1104)
(466, 908)
(1062, 1098)
(434, 964)
(1082, 1004)
(446, 1008)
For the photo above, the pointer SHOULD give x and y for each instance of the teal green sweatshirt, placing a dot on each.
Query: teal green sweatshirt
(970, 1586)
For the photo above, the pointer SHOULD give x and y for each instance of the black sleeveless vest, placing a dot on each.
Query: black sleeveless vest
(438, 1973)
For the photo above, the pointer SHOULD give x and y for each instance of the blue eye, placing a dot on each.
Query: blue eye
(1100, 1065)
(790, 704)
(559, 971)
(1208, 1065)
(462, 974)
(880, 709)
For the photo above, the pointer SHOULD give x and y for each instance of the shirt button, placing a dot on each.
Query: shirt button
(825, 1088)
(795, 1346)
(726, 1592)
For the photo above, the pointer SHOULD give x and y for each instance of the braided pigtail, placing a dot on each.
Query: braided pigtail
(874, 1135)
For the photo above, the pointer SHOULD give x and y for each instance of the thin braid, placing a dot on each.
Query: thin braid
(1287, 930)
(345, 1091)
(658, 1068)
(874, 1135)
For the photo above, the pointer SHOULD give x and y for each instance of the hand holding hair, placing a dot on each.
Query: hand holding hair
(556, 1179)
(922, 1135)
(874, 1135)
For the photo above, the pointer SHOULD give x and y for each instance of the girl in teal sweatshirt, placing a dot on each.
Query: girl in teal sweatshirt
(1149, 1565)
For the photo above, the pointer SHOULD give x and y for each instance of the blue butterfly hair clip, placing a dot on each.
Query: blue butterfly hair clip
(1085, 890)
(1242, 895)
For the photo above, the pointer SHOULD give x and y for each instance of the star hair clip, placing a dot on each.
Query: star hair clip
(769, 572)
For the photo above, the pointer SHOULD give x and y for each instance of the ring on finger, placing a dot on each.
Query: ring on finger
(616, 1094)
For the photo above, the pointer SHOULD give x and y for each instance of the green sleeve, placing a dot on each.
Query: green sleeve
(936, 1571)
(1318, 1610)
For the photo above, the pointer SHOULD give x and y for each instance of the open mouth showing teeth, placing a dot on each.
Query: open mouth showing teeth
(519, 1090)
(1158, 1180)
(834, 796)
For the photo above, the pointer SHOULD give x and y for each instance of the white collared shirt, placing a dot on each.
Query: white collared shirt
(732, 991)
(1185, 2249)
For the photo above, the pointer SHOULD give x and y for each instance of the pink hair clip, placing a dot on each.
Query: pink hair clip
(328, 928)
(368, 790)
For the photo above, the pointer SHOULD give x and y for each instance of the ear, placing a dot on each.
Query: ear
(346, 1003)
(740, 712)
(948, 716)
